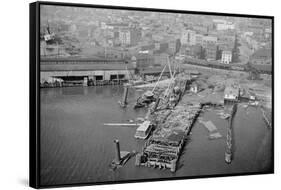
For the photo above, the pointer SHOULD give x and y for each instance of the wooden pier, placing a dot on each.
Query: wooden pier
(82, 83)
(229, 135)
(173, 124)
(163, 149)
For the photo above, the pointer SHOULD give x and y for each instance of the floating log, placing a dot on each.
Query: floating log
(122, 124)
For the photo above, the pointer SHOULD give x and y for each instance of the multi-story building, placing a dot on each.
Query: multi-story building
(226, 42)
(261, 56)
(201, 29)
(209, 40)
(161, 47)
(125, 37)
(211, 51)
(174, 46)
(226, 57)
(199, 39)
(188, 37)
(194, 51)
(129, 36)
(223, 24)
(144, 60)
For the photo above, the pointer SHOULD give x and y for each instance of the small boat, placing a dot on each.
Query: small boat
(144, 130)
(245, 106)
(225, 116)
(253, 103)
(148, 97)
(139, 119)
(131, 120)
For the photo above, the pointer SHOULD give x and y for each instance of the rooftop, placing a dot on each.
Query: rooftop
(231, 90)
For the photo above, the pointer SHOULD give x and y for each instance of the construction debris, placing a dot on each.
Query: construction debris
(164, 147)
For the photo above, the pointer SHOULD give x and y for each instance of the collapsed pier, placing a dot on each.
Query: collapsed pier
(163, 148)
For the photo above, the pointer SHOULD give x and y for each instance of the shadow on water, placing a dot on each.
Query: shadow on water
(184, 149)
(180, 165)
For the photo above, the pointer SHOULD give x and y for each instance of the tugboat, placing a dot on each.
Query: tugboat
(147, 98)
(49, 37)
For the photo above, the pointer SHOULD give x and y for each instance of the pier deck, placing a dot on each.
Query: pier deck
(163, 148)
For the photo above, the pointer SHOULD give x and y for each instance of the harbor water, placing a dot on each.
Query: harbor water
(77, 148)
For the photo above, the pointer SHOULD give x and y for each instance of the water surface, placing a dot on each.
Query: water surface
(77, 148)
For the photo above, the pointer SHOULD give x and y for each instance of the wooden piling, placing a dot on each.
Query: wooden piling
(138, 160)
(85, 81)
(173, 165)
(117, 151)
(125, 95)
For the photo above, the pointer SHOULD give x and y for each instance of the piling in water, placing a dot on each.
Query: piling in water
(85, 81)
(117, 150)
(124, 102)
(138, 160)
(228, 158)
(173, 165)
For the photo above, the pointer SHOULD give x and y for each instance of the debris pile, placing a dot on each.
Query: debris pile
(163, 148)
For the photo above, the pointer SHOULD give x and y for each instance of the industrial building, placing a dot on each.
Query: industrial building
(84, 70)
(231, 93)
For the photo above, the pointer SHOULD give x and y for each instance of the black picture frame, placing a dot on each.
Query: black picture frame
(34, 91)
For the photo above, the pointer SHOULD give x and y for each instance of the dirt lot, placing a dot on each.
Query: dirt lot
(213, 81)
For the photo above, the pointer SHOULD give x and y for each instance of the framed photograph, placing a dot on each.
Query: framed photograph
(126, 94)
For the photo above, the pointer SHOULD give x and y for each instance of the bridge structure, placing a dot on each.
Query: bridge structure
(83, 70)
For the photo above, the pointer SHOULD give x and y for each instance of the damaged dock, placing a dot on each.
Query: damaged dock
(163, 149)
